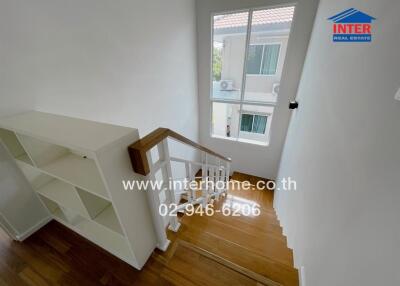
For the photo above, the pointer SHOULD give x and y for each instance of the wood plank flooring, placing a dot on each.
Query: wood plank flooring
(217, 250)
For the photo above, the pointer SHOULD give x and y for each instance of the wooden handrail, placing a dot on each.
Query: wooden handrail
(138, 150)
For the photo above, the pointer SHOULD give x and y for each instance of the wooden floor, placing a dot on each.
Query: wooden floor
(215, 250)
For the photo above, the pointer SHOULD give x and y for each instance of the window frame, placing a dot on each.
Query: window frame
(242, 101)
(262, 59)
(241, 122)
(252, 122)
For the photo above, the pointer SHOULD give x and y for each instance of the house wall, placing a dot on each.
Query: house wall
(253, 159)
(130, 63)
(220, 119)
(343, 150)
(233, 60)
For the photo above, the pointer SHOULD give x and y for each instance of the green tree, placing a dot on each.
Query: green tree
(217, 63)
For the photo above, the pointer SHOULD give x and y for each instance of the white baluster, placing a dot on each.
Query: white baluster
(154, 201)
(170, 192)
(188, 175)
(218, 178)
(192, 178)
(228, 170)
(212, 179)
(204, 175)
(223, 179)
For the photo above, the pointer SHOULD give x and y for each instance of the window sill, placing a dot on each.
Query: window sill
(261, 75)
(241, 140)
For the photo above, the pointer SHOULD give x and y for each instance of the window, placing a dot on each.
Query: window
(253, 123)
(262, 59)
(245, 44)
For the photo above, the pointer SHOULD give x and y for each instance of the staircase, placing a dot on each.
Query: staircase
(218, 249)
(150, 157)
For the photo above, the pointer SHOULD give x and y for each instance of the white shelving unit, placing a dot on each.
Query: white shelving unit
(11, 141)
(76, 167)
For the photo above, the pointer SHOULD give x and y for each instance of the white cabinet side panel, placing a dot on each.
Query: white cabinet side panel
(131, 206)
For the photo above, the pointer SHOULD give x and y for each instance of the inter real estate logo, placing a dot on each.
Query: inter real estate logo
(351, 25)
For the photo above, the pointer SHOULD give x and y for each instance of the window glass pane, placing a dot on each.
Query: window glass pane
(269, 28)
(261, 124)
(270, 59)
(229, 44)
(254, 59)
(247, 123)
(269, 32)
(225, 120)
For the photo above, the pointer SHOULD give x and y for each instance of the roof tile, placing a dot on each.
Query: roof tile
(260, 17)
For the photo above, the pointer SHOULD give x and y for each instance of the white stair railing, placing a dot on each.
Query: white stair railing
(165, 201)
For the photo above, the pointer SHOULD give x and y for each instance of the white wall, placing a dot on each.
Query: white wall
(253, 159)
(342, 148)
(130, 63)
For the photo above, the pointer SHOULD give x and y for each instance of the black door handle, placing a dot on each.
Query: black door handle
(293, 104)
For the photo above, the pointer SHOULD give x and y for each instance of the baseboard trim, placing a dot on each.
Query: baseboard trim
(289, 241)
(33, 229)
(302, 276)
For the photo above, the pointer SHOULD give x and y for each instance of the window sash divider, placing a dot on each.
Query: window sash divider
(244, 102)
(244, 75)
(262, 60)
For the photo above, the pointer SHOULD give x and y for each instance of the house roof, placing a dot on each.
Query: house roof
(260, 17)
(352, 16)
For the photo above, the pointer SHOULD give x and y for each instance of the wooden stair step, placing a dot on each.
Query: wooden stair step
(251, 227)
(263, 221)
(261, 243)
(236, 223)
(195, 266)
(241, 256)
(260, 196)
(169, 277)
(267, 211)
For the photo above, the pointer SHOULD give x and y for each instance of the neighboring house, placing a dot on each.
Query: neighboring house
(269, 33)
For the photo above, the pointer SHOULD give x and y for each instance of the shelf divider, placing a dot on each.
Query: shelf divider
(64, 195)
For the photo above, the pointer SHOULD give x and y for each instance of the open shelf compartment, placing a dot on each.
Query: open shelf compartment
(55, 190)
(54, 209)
(100, 210)
(68, 165)
(105, 237)
(64, 195)
(94, 230)
(36, 178)
(15, 147)
(72, 198)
